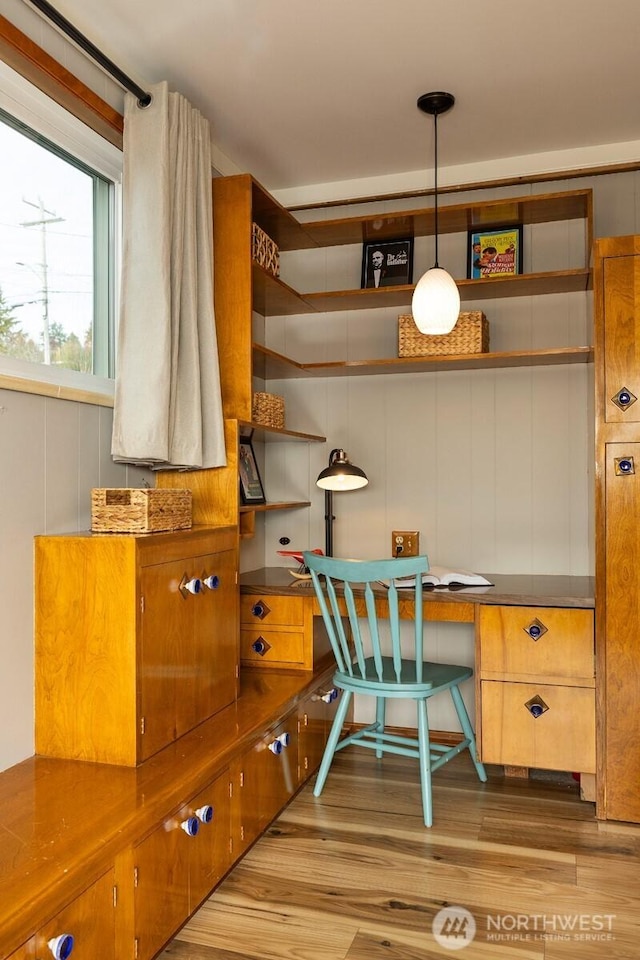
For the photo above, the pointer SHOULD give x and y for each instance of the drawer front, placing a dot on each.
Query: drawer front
(270, 610)
(536, 641)
(562, 738)
(271, 647)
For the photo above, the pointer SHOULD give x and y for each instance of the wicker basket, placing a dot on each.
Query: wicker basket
(264, 251)
(470, 335)
(268, 410)
(128, 510)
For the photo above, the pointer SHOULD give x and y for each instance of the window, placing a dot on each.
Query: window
(58, 230)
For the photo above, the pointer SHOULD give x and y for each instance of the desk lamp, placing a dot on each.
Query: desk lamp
(339, 475)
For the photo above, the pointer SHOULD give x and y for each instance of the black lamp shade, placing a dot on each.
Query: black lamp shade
(341, 474)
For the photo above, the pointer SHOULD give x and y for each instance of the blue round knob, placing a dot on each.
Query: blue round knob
(535, 631)
(259, 646)
(190, 826)
(536, 710)
(284, 739)
(257, 609)
(212, 582)
(194, 585)
(275, 747)
(624, 397)
(61, 946)
(205, 813)
(624, 466)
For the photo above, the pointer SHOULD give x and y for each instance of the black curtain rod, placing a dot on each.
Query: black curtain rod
(144, 98)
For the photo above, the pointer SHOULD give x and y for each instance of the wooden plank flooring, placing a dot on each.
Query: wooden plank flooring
(354, 875)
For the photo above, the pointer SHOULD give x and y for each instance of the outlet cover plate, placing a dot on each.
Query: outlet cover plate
(405, 543)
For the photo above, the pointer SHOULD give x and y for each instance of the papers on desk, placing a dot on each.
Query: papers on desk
(443, 577)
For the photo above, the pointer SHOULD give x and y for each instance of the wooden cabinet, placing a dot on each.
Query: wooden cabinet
(264, 779)
(85, 929)
(315, 716)
(179, 864)
(617, 335)
(279, 630)
(136, 640)
(536, 674)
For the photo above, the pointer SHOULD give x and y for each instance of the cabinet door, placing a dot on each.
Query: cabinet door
(90, 920)
(161, 895)
(265, 779)
(216, 635)
(620, 755)
(188, 646)
(210, 854)
(166, 667)
(316, 715)
(621, 294)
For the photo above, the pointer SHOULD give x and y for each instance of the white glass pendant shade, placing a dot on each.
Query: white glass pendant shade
(436, 302)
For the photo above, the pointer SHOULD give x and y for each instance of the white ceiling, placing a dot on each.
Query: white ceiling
(302, 92)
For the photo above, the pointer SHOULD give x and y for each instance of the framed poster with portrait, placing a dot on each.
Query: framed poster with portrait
(251, 489)
(494, 253)
(387, 263)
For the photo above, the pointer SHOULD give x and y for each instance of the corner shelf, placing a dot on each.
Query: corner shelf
(275, 366)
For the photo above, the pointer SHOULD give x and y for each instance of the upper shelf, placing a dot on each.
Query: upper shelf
(453, 218)
(259, 431)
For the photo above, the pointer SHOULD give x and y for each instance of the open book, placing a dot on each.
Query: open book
(443, 577)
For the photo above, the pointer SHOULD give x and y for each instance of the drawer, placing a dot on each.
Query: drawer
(560, 645)
(563, 737)
(272, 610)
(272, 647)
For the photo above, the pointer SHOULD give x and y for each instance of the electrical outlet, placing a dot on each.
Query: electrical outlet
(405, 543)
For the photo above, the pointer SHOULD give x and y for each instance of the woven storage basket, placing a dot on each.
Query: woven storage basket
(470, 335)
(128, 510)
(268, 409)
(264, 251)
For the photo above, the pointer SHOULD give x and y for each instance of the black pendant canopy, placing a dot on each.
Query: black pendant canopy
(436, 103)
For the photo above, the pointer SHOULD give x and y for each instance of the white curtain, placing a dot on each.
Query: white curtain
(168, 410)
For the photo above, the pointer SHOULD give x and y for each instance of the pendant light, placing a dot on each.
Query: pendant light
(436, 299)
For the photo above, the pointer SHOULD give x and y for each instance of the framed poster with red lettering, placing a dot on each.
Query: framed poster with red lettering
(494, 253)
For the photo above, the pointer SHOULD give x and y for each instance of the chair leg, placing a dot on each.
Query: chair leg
(381, 705)
(467, 729)
(332, 742)
(425, 762)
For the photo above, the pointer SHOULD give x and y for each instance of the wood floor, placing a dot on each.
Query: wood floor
(354, 875)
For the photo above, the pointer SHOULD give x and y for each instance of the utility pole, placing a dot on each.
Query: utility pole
(46, 217)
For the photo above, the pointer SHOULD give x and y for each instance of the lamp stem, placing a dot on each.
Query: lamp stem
(435, 177)
(328, 523)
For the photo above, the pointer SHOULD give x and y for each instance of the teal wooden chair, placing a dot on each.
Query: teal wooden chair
(363, 668)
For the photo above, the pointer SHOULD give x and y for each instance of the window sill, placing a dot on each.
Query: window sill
(59, 391)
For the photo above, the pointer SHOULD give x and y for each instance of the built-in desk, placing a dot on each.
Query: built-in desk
(534, 656)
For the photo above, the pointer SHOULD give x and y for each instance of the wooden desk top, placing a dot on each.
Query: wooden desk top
(522, 590)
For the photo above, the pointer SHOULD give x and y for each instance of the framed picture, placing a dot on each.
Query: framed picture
(251, 489)
(387, 263)
(494, 253)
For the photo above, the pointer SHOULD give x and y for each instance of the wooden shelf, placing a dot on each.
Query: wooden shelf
(265, 507)
(276, 366)
(273, 435)
(273, 298)
(454, 218)
(524, 285)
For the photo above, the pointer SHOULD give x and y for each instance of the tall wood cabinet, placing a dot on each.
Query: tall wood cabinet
(136, 640)
(617, 404)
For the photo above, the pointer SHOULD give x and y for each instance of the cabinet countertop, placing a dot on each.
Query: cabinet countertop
(511, 589)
